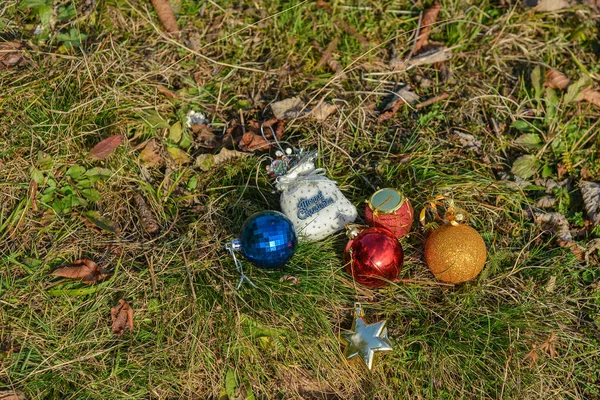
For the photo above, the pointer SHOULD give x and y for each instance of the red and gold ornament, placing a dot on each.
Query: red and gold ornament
(389, 208)
(373, 256)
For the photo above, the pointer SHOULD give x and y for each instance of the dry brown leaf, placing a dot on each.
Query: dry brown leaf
(468, 141)
(435, 55)
(561, 170)
(551, 285)
(84, 270)
(551, 5)
(591, 199)
(252, 142)
(549, 346)
(591, 96)
(10, 395)
(106, 147)
(592, 247)
(432, 56)
(150, 154)
(289, 108)
(323, 110)
(556, 79)
(166, 16)
(147, 217)
(555, 223)
(122, 317)
(204, 136)
(168, 93)
(578, 250)
(294, 280)
(546, 202)
(12, 55)
(178, 155)
(402, 97)
(268, 127)
(227, 155)
(532, 357)
(429, 18)
(233, 134)
(208, 161)
(307, 384)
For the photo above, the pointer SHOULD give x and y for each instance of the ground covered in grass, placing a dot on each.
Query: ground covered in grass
(503, 140)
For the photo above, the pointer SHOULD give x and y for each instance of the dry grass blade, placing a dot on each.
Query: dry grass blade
(106, 147)
(166, 16)
(428, 20)
(147, 217)
(84, 270)
(122, 317)
(33, 192)
(12, 55)
(556, 79)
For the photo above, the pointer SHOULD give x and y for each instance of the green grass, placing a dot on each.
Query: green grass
(279, 340)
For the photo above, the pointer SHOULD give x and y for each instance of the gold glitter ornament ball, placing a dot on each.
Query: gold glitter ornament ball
(455, 253)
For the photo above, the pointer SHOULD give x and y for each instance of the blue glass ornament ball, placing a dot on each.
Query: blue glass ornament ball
(268, 239)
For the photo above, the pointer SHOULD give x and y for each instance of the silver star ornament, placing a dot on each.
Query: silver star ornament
(364, 340)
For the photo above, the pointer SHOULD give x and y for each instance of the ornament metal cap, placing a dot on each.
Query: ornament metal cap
(386, 201)
(352, 230)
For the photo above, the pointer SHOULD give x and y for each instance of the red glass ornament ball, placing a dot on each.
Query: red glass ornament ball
(374, 257)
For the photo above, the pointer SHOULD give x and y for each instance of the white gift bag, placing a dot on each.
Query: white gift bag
(313, 202)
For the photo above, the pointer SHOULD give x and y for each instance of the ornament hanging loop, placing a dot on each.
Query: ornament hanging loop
(452, 214)
(262, 132)
(232, 247)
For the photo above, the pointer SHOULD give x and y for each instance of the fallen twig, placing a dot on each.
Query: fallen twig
(433, 100)
(429, 18)
(327, 57)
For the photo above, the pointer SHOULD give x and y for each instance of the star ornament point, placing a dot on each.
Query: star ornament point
(364, 340)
